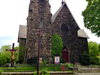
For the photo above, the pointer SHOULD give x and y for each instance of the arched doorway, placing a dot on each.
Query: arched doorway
(65, 54)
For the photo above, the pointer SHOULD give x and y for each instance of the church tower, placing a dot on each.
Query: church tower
(38, 9)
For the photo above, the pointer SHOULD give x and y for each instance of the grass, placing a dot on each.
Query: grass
(28, 68)
(1, 69)
(42, 74)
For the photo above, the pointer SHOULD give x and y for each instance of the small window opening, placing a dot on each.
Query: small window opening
(32, 2)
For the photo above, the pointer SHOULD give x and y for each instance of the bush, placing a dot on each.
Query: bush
(98, 58)
(84, 59)
(44, 63)
(8, 59)
(21, 52)
(1, 60)
(1, 69)
(57, 45)
(4, 59)
(62, 61)
(95, 61)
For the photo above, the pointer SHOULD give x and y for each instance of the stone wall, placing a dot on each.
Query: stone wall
(65, 26)
(83, 46)
(87, 69)
(38, 9)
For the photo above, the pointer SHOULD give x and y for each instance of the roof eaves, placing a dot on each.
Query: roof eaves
(22, 32)
(81, 33)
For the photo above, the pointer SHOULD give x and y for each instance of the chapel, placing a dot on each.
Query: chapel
(62, 23)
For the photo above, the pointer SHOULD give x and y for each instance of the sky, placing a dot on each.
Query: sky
(14, 13)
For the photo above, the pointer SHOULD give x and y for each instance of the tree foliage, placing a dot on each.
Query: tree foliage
(92, 16)
(21, 52)
(5, 56)
(16, 53)
(57, 45)
(99, 50)
(85, 59)
(93, 51)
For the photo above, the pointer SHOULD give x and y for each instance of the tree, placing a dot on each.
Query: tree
(57, 45)
(3, 48)
(85, 59)
(99, 50)
(92, 16)
(5, 55)
(16, 53)
(21, 52)
(4, 52)
(93, 51)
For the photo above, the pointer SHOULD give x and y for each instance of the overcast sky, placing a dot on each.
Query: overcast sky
(14, 13)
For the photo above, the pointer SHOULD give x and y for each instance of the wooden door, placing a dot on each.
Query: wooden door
(65, 54)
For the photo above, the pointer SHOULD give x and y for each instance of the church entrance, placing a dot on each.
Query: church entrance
(65, 54)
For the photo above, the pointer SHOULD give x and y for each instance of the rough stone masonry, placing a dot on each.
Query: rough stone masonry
(62, 23)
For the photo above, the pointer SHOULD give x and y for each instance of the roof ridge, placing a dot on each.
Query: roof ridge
(57, 12)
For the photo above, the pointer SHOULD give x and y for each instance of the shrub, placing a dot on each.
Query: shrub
(62, 61)
(95, 61)
(44, 63)
(1, 70)
(57, 45)
(2, 60)
(21, 52)
(84, 59)
(98, 58)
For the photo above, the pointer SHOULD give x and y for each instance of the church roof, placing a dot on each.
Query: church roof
(22, 32)
(58, 11)
(23, 29)
(81, 33)
(56, 14)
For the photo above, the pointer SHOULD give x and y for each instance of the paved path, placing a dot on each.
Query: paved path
(89, 74)
(90, 68)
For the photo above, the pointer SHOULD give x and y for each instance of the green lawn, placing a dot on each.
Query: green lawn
(28, 68)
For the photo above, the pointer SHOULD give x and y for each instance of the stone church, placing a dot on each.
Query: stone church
(62, 23)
